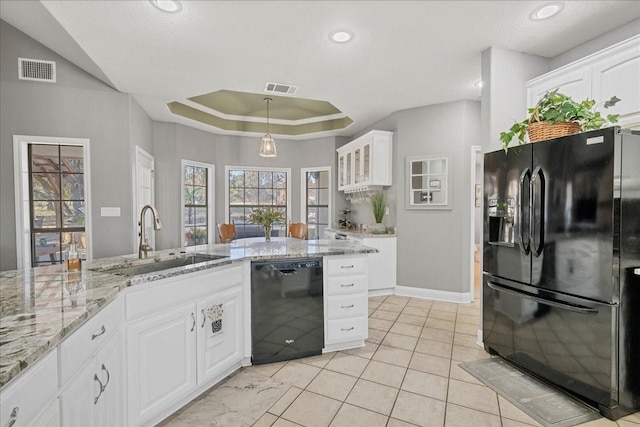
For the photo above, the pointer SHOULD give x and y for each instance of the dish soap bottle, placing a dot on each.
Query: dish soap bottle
(73, 259)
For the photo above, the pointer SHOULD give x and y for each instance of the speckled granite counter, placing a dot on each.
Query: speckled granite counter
(359, 234)
(41, 306)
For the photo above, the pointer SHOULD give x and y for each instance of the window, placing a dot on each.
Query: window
(249, 188)
(197, 202)
(52, 198)
(316, 200)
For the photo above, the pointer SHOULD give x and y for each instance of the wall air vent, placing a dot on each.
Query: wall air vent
(281, 88)
(36, 70)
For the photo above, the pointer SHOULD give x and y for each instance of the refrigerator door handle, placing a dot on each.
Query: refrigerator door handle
(536, 205)
(565, 306)
(525, 244)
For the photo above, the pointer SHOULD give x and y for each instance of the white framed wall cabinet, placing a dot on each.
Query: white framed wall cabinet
(365, 161)
(610, 72)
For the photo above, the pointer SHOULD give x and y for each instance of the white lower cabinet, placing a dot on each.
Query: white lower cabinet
(161, 361)
(95, 394)
(50, 416)
(345, 302)
(175, 353)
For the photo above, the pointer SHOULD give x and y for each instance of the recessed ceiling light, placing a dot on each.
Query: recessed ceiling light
(478, 83)
(546, 11)
(341, 36)
(171, 6)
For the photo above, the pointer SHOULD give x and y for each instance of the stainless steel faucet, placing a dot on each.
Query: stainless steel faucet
(144, 245)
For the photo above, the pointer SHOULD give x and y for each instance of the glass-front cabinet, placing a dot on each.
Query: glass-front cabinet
(365, 161)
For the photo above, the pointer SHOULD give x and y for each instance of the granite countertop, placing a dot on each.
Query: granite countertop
(40, 306)
(360, 234)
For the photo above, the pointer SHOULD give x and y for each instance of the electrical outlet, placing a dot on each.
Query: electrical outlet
(386, 210)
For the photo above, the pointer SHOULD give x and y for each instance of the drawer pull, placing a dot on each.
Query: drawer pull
(97, 334)
(95, 378)
(193, 316)
(14, 417)
(347, 306)
(347, 329)
(108, 377)
(204, 318)
(347, 266)
(347, 286)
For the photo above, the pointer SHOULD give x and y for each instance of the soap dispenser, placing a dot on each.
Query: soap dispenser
(73, 258)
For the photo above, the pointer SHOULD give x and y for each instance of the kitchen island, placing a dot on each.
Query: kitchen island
(44, 310)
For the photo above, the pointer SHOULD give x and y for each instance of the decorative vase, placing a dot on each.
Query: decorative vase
(267, 233)
(378, 228)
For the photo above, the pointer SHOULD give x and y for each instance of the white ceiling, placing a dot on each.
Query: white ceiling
(405, 54)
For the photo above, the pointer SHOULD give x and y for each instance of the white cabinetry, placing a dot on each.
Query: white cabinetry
(183, 335)
(365, 161)
(92, 371)
(345, 302)
(612, 71)
(31, 399)
(381, 265)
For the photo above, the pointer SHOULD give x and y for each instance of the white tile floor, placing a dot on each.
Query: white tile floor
(407, 375)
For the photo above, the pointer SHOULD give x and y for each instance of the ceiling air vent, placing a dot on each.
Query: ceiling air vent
(36, 70)
(281, 88)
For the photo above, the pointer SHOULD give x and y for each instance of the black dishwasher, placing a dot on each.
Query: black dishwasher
(287, 317)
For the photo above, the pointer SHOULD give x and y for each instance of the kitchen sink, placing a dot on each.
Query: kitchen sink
(136, 270)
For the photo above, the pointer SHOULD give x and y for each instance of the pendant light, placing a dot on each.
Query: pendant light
(267, 144)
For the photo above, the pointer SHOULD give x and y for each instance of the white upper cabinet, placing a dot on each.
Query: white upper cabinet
(365, 161)
(614, 71)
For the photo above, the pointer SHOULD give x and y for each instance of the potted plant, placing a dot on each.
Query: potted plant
(379, 207)
(266, 217)
(557, 115)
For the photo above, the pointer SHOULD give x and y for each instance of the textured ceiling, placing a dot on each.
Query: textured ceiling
(405, 54)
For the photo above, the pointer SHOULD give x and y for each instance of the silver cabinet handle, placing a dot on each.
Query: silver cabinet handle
(95, 378)
(346, 306)
(347, 266)
(203, 318)
(193, 316)
(347, 329)
(14, 417)
(108, 377)
(97, 334)
(347, 286)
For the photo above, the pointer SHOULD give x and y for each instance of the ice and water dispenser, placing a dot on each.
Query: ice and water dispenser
(501, 220)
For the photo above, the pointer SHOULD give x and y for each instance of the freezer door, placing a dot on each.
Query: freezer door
(567, 341)
(572, 215)
(506, 240)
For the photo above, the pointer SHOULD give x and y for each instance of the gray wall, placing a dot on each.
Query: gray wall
(433, 246)
(76, 106)
(174, 142)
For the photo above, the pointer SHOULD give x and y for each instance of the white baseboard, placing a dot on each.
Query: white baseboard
(458, 297)
(378, 292)
(480, 342)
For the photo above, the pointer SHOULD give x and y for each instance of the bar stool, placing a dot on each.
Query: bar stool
(226, 232)
(298, 230)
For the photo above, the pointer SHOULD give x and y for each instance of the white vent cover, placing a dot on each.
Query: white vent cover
(281, 88)
(36, 70)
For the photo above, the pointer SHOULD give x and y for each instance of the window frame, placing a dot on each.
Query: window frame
(23, 197)
(211, 222)
(228, 168)
(303, 194)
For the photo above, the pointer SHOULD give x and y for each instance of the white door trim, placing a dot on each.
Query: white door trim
(475, 149)
(21, 192)
(136, 185)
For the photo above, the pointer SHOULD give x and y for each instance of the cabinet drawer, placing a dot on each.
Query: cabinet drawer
(346, 266)
(353, 328)
(82, 344)
(346, 306)
(346, 285)
(31, 391)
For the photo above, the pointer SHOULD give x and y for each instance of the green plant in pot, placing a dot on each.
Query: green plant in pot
(558, 115)
(266, 217)
(379, 207)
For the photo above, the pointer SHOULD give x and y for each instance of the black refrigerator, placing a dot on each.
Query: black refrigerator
(561, 264)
